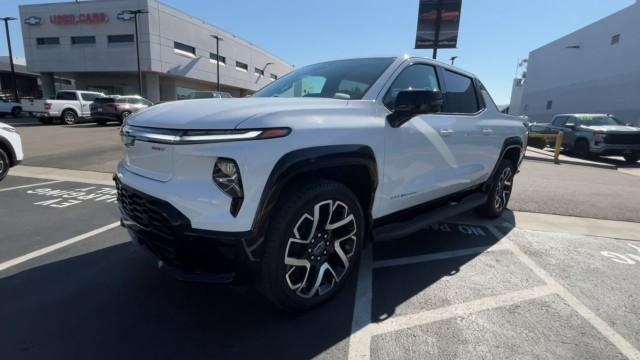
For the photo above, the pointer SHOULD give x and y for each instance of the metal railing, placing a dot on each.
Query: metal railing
(559, 137)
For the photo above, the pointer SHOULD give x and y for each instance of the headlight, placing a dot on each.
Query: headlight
(9, 129)
(227, 176)
(599, 137)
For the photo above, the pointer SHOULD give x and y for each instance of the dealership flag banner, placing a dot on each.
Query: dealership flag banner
(438, 19)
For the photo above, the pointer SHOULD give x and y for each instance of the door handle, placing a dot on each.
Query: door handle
(487, 131)
(446, 132)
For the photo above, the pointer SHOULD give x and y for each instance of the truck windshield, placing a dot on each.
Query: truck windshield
(599, 120)
(341, 79)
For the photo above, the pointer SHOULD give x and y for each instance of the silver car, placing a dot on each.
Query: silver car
(596, 135)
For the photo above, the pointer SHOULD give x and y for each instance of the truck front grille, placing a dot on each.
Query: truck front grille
(623, 139)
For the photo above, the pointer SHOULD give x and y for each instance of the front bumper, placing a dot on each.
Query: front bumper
(614, 149)
(187, 253)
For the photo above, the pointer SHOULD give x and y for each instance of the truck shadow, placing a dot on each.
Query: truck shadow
(114, 303)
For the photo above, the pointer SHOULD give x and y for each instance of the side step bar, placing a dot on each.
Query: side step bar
(401, 229)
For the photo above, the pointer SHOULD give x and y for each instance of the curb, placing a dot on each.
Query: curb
(572, 162)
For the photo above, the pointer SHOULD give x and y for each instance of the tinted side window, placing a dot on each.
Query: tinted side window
(89, 97)
(461, 94)
(559, 121)
(65, 95)
(414, 77)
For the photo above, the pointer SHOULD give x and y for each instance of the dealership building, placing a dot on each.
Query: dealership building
(93, 43)
(593, 70)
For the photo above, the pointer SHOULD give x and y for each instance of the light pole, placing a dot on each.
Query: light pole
(13, 70)
(218, 39)
(453, 59)
(135, 14)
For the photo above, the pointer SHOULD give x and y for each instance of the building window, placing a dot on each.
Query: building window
(615, 39)
(259, 72)
(549, 104)
(184, 49)
(48, 41)
(120, 39)
(83, 40)
(274, 77)
(216, 57)
(242, 66)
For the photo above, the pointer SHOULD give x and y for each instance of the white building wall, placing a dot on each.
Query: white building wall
(596, 77)
(95, 64)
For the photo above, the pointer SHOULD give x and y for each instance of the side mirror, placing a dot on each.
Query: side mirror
(410, 103)
(571, 126)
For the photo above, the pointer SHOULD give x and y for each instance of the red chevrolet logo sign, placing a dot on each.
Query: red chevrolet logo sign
(84, 18)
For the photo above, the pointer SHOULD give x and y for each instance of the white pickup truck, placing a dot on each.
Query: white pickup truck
(70, 105)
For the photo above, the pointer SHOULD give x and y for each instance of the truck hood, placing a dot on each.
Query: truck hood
(222, 114)
(613, 128)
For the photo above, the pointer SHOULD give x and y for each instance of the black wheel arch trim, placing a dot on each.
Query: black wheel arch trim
(4, 143)
(300, 161)
(509, 143)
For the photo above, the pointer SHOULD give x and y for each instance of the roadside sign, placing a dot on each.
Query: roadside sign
(438, 24)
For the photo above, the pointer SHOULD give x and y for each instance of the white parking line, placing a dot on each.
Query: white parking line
(30, 185)
(436, 256)
(359, 341)
(13, 262)
(607, 331)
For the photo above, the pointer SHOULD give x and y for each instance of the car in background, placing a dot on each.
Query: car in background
(116, 108)
(10, 107)
(589, 135)
(72, 106)
(10, 149)
(208, 95)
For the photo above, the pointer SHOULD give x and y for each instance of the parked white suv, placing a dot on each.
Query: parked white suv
(10, 149)
(288, 185)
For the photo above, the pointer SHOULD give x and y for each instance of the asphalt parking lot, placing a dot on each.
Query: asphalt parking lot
(462, 289)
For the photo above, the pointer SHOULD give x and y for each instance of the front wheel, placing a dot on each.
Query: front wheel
(312, 245)
(69, 117)
(4, 164)
(499, 192)
(16, 111)
(581, 149)
(631, 158)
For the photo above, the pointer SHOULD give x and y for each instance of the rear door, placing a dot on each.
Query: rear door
(86, 99)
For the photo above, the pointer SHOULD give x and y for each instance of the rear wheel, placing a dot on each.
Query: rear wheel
(4, 164)
(499, 192)
(581, 149)
(69, 117)
(632, 158)
(124, 116)
(311, 246)
(16, 111)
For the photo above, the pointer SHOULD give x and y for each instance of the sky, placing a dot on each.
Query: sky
(494, 34)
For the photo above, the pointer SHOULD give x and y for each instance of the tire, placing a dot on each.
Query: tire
(581, 149)
(4, 164)
(16, 111)
(499, 192)
(631, 158)
(124, 116)
(299, 270)
(69, 117)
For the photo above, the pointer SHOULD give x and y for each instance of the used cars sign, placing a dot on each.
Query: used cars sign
(83, 18)
(438, 23)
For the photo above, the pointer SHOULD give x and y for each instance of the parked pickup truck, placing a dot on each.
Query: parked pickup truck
(285, 187)
(72, 106)
(589, 135)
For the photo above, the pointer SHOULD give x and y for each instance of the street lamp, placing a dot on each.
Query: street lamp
(13, 70)
(218, 39)
(135, 14)
(453, 59)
